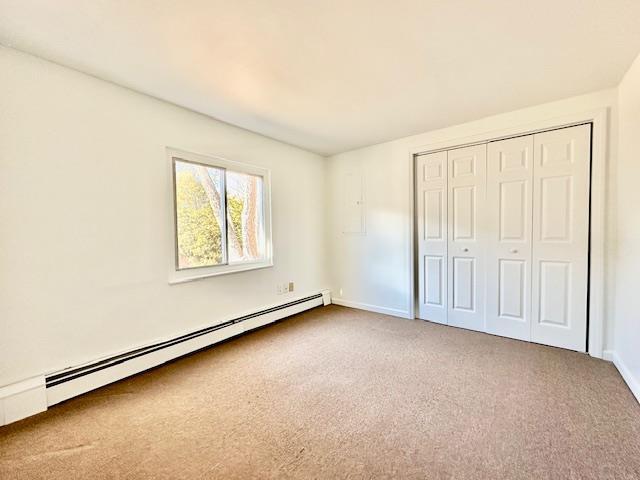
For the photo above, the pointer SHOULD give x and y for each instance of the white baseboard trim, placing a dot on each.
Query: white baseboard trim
(22, 399)
(371, 308)
(632, 382)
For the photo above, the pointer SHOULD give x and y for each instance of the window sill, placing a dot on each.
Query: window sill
(185, 276)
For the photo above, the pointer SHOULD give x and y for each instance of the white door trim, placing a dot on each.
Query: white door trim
(599, 118)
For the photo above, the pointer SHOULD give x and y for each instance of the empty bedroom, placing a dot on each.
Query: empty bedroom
(308, 240)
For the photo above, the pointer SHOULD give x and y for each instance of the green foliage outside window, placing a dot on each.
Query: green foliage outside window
(205, 236)
(199, 236)
(235, 206)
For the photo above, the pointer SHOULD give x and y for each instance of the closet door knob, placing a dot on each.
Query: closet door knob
(465, 249)
(513, 250)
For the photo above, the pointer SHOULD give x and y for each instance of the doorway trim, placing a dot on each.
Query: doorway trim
(599, 118)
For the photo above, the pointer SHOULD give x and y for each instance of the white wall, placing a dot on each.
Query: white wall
(373, 270)
(84, 228)
(627, 294)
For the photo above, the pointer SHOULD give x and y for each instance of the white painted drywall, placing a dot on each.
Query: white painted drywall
(373, 270)
(84, 230)
(627, 254)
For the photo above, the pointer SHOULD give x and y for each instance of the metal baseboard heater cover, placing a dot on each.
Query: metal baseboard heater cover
(224, 331)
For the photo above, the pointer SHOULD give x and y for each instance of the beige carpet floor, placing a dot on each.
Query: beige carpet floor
(340, 393)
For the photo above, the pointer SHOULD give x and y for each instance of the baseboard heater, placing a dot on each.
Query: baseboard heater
(74, 381)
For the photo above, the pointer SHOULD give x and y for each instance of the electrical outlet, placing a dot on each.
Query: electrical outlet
(291, 286)
(279, 289)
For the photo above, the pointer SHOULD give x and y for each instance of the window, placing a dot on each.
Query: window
(221, 216)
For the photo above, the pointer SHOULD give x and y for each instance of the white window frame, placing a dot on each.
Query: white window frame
(186, 275)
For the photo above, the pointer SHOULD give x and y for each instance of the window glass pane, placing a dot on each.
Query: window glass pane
(245, 217)
(199, 215)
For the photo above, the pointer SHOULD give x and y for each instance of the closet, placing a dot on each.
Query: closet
(503, 236)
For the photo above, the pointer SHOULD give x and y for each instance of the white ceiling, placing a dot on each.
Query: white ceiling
(333, 75)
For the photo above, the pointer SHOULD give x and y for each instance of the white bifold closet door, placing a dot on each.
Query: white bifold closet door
(538, 223)
(509, 224)
(431, 199)
(503, 236)
(466, 275)
(561, 176)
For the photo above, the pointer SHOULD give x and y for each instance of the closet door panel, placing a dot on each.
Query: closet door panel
(466, 275)
(561, 237)
(464, 199)
(464, 284)
(434, 287)
(431, 195)
(509, 224)
(512, 294)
